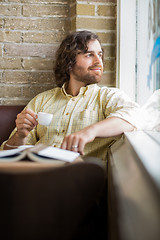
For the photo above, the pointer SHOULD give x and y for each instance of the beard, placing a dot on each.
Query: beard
(88, 78)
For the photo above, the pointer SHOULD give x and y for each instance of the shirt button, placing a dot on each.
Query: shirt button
(67, 113)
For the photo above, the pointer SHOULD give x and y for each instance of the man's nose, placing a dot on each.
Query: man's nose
(97, 59)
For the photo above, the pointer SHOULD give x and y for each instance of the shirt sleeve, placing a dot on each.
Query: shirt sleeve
(32, 136)
(34, 105)
(119, 104)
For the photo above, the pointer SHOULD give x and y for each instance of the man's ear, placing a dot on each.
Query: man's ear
(70, 69)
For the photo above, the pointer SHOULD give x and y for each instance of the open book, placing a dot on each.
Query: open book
(38, 153)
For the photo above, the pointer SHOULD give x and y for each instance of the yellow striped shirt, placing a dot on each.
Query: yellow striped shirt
(71, 114)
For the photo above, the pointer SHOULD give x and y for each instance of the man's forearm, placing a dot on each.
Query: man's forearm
(15, 141)
(109, 127)
(112, 126)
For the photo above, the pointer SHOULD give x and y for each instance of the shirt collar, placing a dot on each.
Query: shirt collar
(83, 90)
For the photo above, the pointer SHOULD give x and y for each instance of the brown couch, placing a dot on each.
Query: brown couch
(7, 120)
(67, 203)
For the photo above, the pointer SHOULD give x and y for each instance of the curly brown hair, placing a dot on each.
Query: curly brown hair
(67, 52)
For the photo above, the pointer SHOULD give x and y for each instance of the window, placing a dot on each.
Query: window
(138, 48)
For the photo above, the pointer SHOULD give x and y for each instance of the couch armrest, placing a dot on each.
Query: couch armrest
(7, 120)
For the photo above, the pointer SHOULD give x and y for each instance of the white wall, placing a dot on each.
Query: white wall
(126, 46)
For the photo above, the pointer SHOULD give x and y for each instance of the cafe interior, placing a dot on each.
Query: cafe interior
(87, 199)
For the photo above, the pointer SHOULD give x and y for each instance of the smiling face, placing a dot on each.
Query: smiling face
(89, 66)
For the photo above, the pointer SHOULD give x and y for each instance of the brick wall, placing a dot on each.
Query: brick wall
(30, 32)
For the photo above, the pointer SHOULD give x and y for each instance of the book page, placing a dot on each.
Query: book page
(6, 153)
(41, 150)
(57, 153)
(12, 155)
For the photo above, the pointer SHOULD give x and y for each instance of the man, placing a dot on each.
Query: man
(86, 118)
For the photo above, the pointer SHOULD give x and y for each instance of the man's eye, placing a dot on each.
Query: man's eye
(89, 55)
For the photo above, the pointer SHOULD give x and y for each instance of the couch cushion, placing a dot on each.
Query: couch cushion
(7, 120)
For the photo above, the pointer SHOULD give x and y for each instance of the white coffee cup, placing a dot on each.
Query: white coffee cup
(44, 118)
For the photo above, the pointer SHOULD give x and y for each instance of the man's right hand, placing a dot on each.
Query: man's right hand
(25, 122)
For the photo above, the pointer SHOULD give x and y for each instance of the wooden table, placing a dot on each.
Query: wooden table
(48, 201)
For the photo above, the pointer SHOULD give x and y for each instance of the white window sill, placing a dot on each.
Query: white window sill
(134, 187)
(147, 147)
